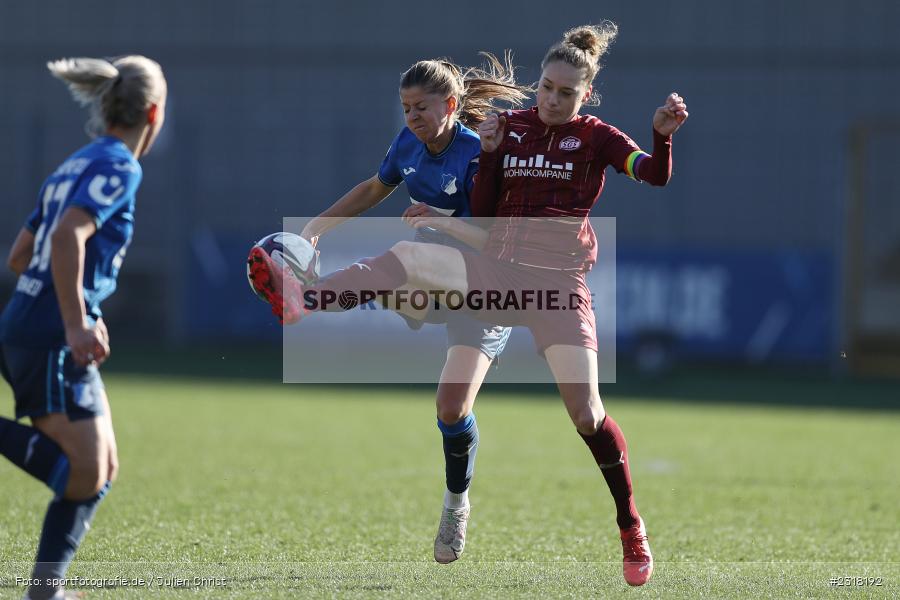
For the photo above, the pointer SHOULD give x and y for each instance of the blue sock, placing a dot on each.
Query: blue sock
(35, 453)
(65, 526)
(460, 445)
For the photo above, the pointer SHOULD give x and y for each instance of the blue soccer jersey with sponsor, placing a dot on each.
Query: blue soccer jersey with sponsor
(443, 181)
(101, 179)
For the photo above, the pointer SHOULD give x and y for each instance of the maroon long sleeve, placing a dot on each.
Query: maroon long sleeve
(486, 191)
(656, 169)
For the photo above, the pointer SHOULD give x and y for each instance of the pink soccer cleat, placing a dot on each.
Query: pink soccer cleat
(277, 285)
(637, 562)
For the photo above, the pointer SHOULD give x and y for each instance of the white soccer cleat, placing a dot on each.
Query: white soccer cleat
(451, 536)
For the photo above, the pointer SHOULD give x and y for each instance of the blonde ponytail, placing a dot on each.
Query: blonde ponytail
(118, 91)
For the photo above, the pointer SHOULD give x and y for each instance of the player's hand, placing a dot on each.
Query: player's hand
(104, 334)
(421, 215)
(310, 234)
(491, 132)
(669, 117)
(87, 344)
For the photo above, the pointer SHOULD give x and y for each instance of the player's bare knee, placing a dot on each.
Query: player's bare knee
(407, 253)
(86, 479)
(587, 420)
(451, 414)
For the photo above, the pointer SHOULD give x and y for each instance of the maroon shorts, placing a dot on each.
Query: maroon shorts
(554, 305)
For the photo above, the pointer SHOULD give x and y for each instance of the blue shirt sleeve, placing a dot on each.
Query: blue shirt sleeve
(105, 187)
(389, 172)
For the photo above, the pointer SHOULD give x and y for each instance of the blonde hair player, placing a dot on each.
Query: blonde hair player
(436, 155)
(52, 336)
(560, 160)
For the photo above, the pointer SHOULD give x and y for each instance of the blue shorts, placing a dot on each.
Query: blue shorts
(47, 380)
(464, 330)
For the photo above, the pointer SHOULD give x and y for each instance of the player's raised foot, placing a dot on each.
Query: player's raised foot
(451, 536)
(637, 562)
(277, 284)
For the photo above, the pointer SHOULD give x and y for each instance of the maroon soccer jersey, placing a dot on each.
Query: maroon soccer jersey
(542, 181)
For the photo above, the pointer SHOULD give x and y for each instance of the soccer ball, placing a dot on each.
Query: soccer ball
(291, 250)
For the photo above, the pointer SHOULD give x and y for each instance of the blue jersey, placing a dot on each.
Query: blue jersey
(101, 179)
(443, 181)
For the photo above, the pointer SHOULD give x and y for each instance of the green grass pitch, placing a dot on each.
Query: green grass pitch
(292, 491)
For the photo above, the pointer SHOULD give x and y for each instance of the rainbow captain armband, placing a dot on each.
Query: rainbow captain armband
(632, 162)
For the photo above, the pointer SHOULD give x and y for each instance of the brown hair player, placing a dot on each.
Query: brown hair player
(554, 134)
(436, 155)
(541, 170)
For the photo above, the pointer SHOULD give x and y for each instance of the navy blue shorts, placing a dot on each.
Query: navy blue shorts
(464, 330)
(47, 380)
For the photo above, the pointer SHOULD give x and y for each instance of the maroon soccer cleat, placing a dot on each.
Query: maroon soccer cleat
(277, 285)
(637, 562)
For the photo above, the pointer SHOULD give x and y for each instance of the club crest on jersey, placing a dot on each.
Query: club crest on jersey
(569, 143)
(98, 186)
(448, 184)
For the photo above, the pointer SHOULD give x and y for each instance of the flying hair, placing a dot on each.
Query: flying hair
(478, 90)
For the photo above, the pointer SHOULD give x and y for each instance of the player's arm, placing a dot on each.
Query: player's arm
(656, 168)
(21, 251)
(421, 215)
(361, 198)
(67, 252)
(486, 190)
(469, 234)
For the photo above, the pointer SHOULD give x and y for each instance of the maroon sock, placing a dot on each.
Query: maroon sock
(611, 453)
(359, 283)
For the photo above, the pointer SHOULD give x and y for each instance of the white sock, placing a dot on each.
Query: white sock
(452, 500)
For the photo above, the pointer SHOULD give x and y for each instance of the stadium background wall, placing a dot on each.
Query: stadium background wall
(277, 108)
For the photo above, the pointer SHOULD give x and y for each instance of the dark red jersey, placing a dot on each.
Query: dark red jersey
(542, 181)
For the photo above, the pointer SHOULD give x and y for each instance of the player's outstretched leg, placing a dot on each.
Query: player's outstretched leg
(278, 285)
(460, 446)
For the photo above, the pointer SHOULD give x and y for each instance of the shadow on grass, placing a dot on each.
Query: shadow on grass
(696, 383)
